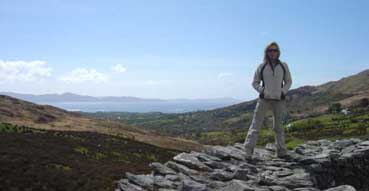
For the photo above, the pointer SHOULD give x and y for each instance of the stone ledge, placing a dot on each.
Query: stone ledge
(341, 165)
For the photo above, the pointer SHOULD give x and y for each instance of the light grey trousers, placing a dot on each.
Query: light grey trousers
(278, 108)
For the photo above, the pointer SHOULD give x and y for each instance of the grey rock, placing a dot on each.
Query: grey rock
(270, 147)
(263, 154)
(278, 188)
(313, 142)
(145, 181)
(252, 168)
(201, 178)
(191, 161)
(216, 164)
(324, 142)
(306, 189)
(203, 157)
(241, 174)
(216, 184)
(162, 169)
(340, 144)
(342, 188)
(316, 164)
(364, 143)
(162, 182)
(237, 185)
(226, 152)
(181, 168)
(172, 177)
(188, 185)
(319, 158)
(221, 175)
(124, 185)
(295, 180)
(356, 140)
(283, 173)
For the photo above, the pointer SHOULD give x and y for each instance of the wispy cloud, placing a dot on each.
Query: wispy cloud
(119, 68)
(224, 74)
(79, 75)
(20, 70)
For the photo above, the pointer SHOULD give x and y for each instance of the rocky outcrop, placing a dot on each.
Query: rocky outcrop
(341, 165)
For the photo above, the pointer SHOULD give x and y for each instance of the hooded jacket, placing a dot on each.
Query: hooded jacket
(274, 87)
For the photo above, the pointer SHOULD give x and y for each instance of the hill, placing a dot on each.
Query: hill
(227, 125)
(36, 159)
(23, 113)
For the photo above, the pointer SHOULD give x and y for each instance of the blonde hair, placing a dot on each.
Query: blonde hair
(266, 57)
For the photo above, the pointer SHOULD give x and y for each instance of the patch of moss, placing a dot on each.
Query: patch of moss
(292, 143)
(82, 150)
(151, 157)
(59, 167)
(99, 156)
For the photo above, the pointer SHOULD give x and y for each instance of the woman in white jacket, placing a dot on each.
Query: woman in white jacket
(276, 81)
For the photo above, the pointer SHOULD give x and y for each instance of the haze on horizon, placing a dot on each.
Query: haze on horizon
(175, 49)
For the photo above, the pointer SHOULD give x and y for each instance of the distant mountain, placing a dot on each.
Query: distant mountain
(71, 97)
(75, 102)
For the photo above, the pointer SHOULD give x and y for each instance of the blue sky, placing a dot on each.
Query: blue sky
(175, 49)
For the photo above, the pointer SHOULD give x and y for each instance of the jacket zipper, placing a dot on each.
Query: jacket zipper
(271, 65)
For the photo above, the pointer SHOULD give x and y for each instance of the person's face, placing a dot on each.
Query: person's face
(272, 52)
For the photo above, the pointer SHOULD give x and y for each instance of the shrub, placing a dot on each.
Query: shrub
(334, 108)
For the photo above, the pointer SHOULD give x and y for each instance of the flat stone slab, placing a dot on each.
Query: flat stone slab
(319, 165)
(192, 161)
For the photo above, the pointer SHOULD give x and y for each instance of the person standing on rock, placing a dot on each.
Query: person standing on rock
(276, 81)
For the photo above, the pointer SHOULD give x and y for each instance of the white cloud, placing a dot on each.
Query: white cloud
(119, 68)
(224, 75)
(79, 75)
(19, 70)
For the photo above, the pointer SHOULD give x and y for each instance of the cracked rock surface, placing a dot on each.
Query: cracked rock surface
(321, 165)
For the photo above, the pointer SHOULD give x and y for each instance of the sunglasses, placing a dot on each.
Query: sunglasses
(272, 50)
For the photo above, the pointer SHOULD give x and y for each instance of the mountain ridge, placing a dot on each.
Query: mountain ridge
(68, 96)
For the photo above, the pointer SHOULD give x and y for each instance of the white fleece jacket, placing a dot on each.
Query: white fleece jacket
(273, 81)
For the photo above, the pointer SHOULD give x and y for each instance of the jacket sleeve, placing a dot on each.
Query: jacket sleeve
(287, 80)
(257, 79)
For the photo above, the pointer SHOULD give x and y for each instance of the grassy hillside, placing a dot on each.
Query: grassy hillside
(185, 124)
(329, 126)
(24, 113)
(231, 122)
(34, 159)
